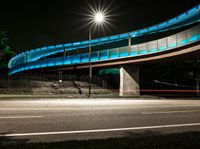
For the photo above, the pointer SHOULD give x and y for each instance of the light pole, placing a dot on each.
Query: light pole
(98, 18)
(90, 67)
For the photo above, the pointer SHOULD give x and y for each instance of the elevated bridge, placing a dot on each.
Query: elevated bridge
(184, 42)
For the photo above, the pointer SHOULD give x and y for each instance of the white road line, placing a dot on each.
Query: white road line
(20, 117)
(98, 130)
(89, 108)
(169, 112)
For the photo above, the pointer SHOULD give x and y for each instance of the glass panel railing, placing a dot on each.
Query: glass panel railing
(162, 44)
(172, 41)
(192, 34)
(114, 53)
(182, 38)
(20, 60)
(67, 60)
(198, 31)
(152, 47)
(84, 58)
(95, 56)
(123, 51)
(42, 53)
(44, 64)
(76, 59)
(103, 55)
(134, 50)
(142, 49)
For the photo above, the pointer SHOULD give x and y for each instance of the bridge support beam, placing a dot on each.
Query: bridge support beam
(129, 81)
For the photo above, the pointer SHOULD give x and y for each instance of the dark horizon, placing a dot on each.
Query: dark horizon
(32, 24)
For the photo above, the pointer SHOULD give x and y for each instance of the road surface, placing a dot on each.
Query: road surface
(68, 119)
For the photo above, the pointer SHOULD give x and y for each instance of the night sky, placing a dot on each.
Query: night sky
(36, 23)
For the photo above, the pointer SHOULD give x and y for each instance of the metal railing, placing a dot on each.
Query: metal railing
(50, 83)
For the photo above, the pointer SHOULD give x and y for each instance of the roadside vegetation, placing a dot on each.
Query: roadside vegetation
(5, 50)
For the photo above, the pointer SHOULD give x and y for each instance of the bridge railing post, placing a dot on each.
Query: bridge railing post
(147, 47)
(98, 54)
(186, 34)
(167, 42)
(137, 49)
(198, 31)
(157, 45)
(129, 45)
(108, 53)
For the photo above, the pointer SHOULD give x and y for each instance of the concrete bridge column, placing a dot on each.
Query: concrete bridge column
(129, 80)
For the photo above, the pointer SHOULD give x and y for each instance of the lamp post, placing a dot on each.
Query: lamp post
(90, 67)
(98, 18)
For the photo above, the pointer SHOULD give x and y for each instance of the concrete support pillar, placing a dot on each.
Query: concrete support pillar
(129, 80)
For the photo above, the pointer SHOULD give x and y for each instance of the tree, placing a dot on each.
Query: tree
(5, 51)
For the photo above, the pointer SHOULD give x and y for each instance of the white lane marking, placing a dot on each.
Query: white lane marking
(143, 113)
(98, 130)
(20, 117)
(169, 112)
(90, 108)
(180, 106)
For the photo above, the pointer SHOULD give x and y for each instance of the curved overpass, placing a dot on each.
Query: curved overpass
(148, 51)
(32, 59)
(183, 43)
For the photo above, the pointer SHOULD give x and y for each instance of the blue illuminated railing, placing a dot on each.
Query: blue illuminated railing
(186, 18)
(180, 39)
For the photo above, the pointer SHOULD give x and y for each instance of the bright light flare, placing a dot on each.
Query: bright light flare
(99, 17)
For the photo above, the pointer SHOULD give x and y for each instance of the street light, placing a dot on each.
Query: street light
(98, 18)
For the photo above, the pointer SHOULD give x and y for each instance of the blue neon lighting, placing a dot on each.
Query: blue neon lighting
(172, 20)
(85, 42)
(153, 28)
(76, 43)
(123, 54)
(163, 24)
(143, 31)
(124, 35)
(44, 48)
(59, 46)
(192, 10)
(68, 44)
(162, 48)
(153, 50)
(182, 15)
(51, 47)
(104, 39)
(143, 51)
(114, 37)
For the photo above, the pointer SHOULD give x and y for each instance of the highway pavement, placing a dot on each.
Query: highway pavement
(42, 120)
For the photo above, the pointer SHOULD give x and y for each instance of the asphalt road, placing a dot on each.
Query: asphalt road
(59, 119)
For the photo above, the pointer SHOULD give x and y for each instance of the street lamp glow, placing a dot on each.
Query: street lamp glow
(99, 17)
(96, 18)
